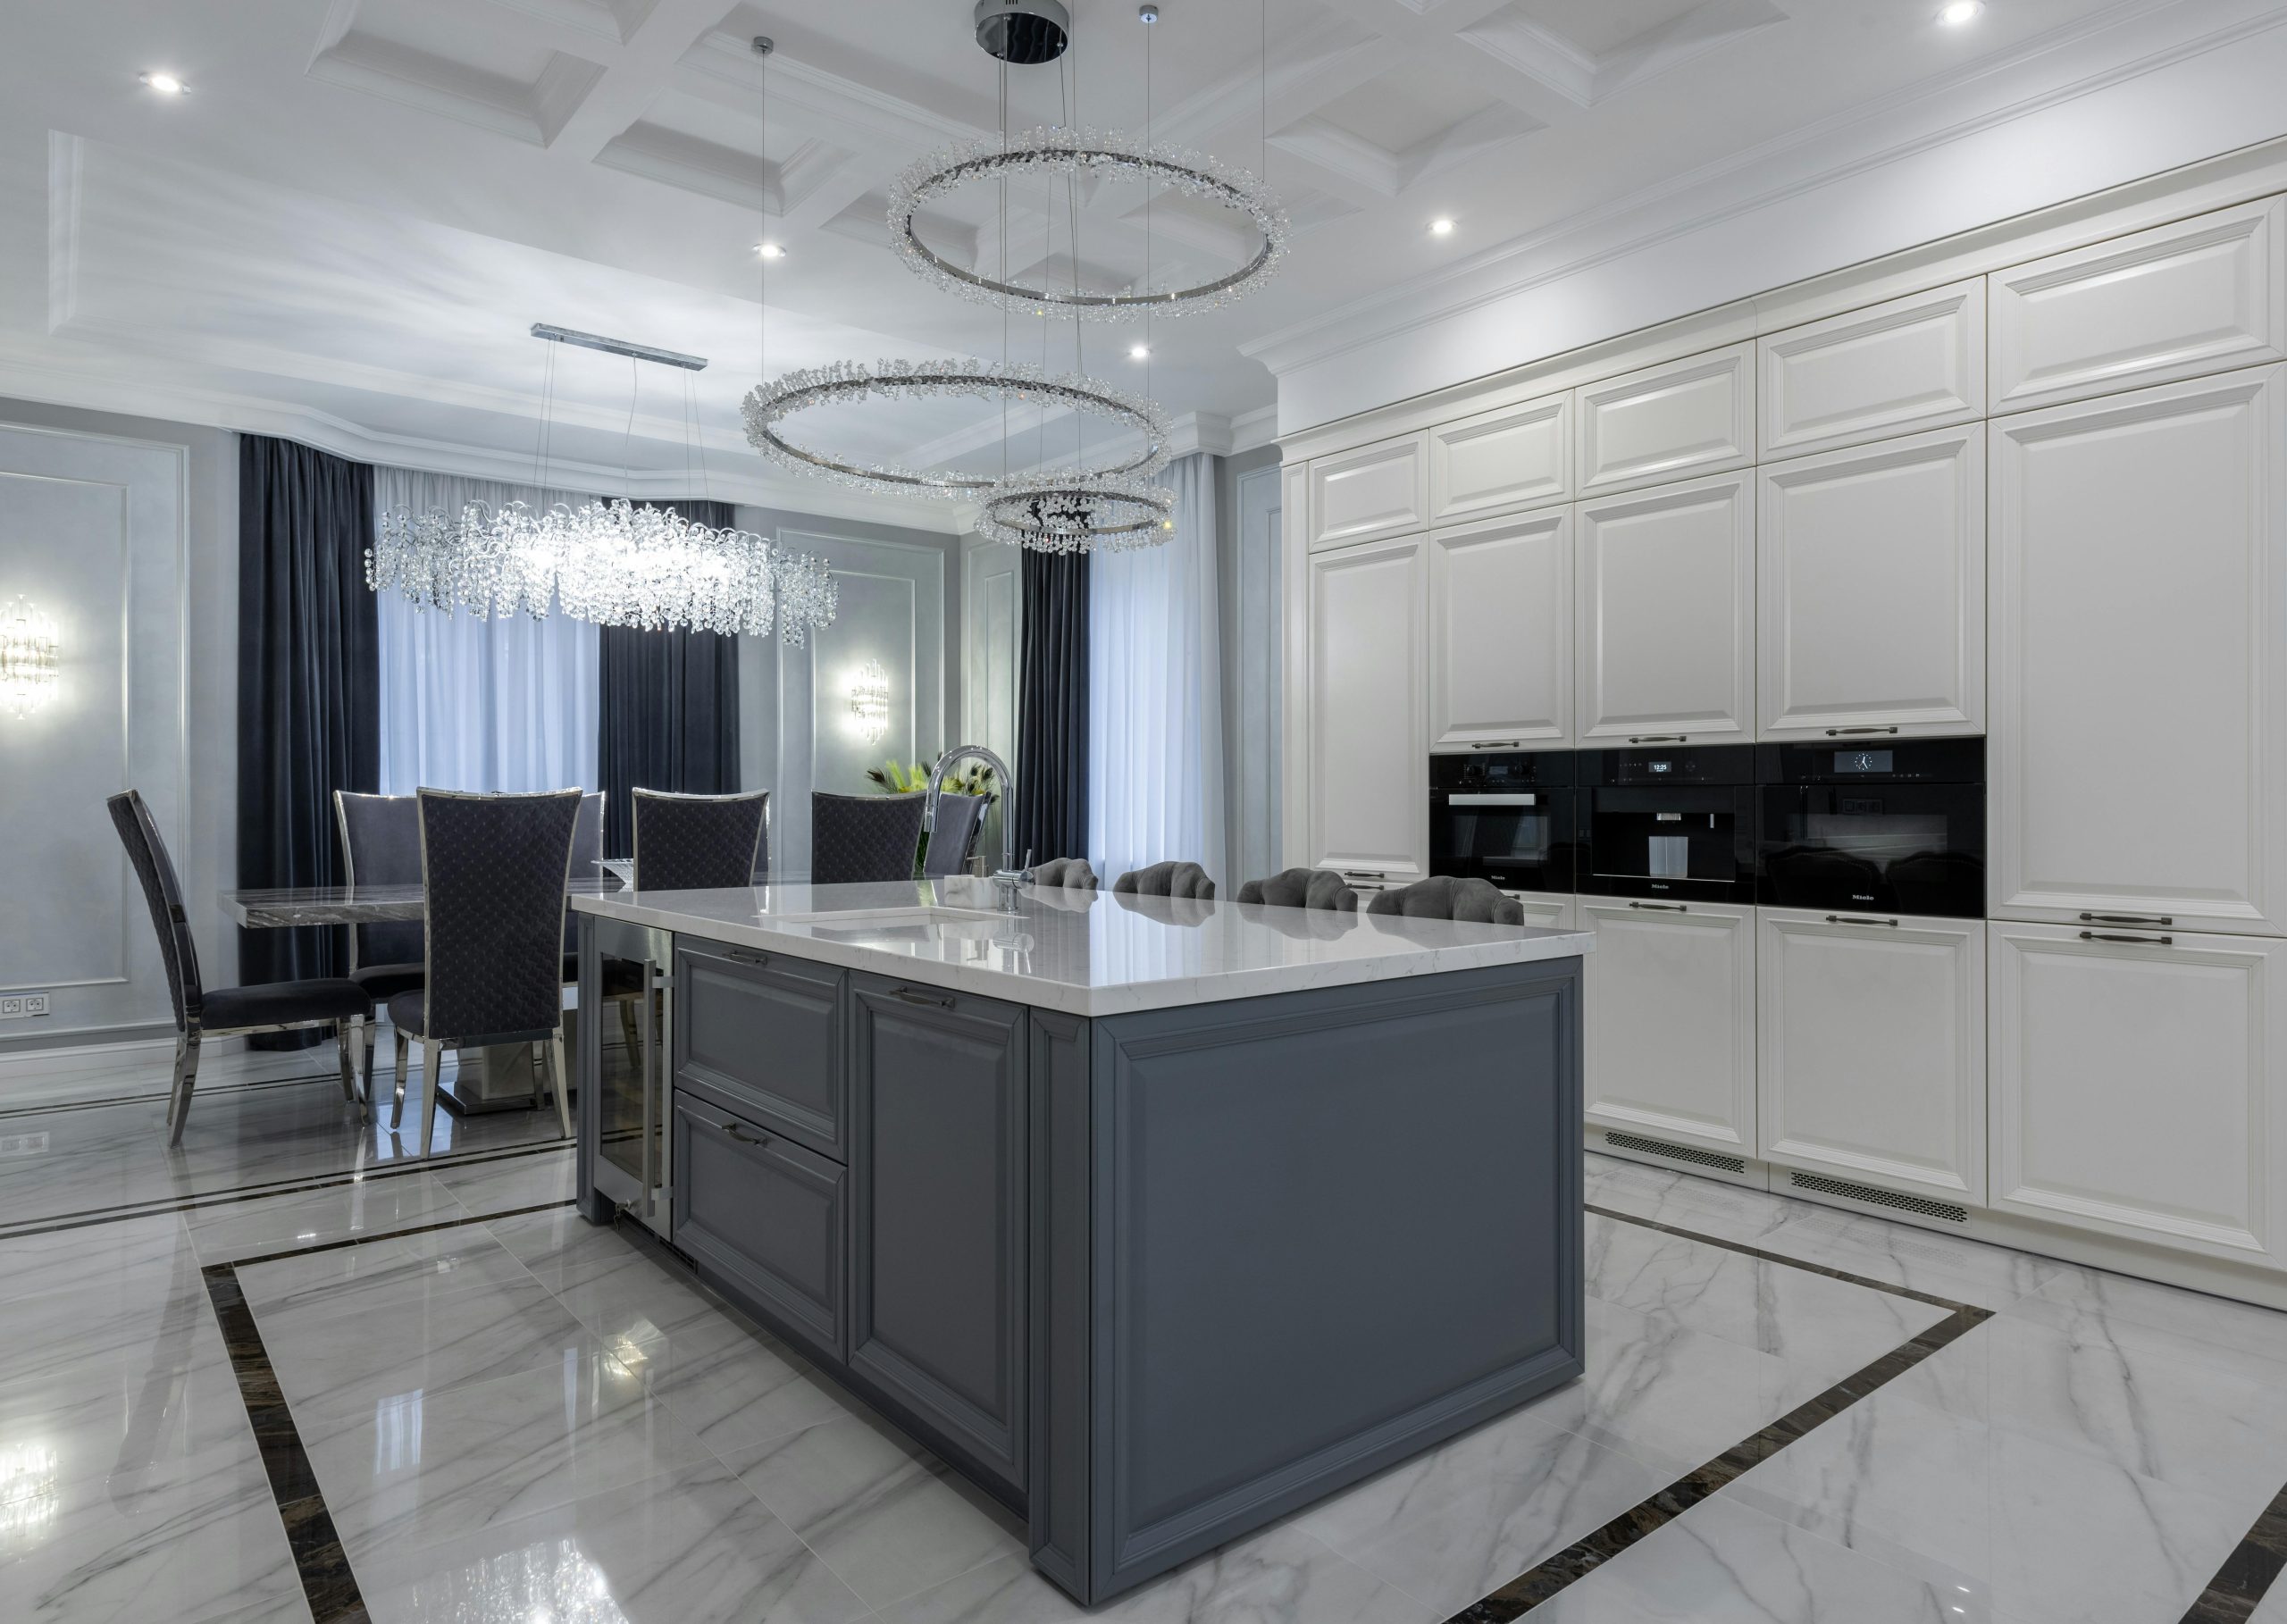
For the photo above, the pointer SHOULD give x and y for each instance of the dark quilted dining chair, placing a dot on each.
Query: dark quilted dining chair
(856, 838)
(381, 845)
(698, 843)
(493, 873)
(954, 835)
(280, 1006)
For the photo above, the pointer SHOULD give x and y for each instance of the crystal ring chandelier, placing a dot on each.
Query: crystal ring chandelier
(1087, 155)
(1054, 513)
(846, 382)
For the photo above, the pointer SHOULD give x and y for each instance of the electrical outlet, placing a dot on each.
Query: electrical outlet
(10, 1007)
(35, 1004)
(14, 1006)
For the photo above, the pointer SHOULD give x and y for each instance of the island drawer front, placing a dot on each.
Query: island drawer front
(938, 1232)
(763, 1031)
(765, 1216)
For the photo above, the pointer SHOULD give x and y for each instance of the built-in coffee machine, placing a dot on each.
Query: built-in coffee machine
(1675, 823)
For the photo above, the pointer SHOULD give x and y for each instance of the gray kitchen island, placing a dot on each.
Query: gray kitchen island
(1158, 1219)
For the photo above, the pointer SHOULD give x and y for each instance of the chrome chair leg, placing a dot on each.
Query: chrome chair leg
(563, 1081)
(186, 1079)
(398, 1066)
(432, 1077)
(345, 1033)
(533, 1058)
(368, 1040)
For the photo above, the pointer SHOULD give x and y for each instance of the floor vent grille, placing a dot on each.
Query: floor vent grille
(1946, 1211)
(1678, 1152)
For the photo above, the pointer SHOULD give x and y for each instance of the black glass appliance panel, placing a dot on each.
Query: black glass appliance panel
(1902, 832)
(1678, 823)
(1503, 816)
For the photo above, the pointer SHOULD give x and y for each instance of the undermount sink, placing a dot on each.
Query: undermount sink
(879, 922)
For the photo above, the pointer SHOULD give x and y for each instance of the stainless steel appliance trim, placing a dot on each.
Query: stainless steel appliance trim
(1492, 801)
(646, 1175)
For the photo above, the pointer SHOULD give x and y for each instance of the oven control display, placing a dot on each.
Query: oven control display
(1862, 761)
(1659, 766)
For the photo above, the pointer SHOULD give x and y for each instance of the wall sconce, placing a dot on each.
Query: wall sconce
(869, 701)
(28, 658)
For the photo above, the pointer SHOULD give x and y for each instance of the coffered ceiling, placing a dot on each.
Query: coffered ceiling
(347, 226)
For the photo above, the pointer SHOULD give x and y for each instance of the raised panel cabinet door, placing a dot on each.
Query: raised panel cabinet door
(1871, 565)
(1870, 1045)
(1294, 578)
(1382, 490)
(764, 1215)
(1911, 363)
(2137, 1085)
(1665, 639)
(937, 1211)
(1501, 633)
(1545, 910)
(1671, 422)
(2193, 296)
(2138, 740)
(1497, 462)
(1366, 803)
(1669, 1038)
(764, 1031)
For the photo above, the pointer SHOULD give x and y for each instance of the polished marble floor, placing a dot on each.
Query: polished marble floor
(508, 1415)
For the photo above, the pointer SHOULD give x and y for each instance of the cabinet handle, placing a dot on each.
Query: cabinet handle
(1362, 874)
(732, 1128)
(2116, 936)
(1841, 732)
(2162, 920)
(1498, 744)
(911, 997)
(746, 956)
(1661, 908)
(1854, 919)
(1658, 738)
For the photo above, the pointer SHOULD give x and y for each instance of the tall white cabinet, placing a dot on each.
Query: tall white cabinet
(1368, 652)
(1501, 633)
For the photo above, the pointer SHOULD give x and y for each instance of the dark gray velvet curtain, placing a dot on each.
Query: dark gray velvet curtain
(309, 687)
(669, 716)
(1051, 767)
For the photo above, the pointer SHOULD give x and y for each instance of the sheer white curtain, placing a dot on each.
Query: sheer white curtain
(470, 703)
(1155, 693)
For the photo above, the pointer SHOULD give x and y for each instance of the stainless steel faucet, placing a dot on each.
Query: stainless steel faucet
(1010, 876)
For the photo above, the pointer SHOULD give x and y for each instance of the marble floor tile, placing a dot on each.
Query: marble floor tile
(886, 1517)
(1721, 1563)
(1810, 1319)
(2041, 1533)
(423, 1467)
(227, 1232)
(691, 1547)
(331, 1363)
(2160, 1406)
(99, 1331)
(131, 1254)
(615, 1287)
(1278, 1576)
(2096, 1303)
(2272, 1607)
(383, 1275)
(1477, 1512)
(730, 1383)
(513, 1181)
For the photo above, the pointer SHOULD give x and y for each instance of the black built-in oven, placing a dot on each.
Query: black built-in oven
(1505, 817)
(1895, 827)
(1671, 822)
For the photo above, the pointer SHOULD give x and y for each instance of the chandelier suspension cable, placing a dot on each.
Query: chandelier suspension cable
(1004, 266)
(1072, 231)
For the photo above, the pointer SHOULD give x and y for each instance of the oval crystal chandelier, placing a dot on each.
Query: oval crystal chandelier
(1055, 513)
(1050, 152)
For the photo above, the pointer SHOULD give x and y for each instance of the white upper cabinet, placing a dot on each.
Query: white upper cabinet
(2197, 296)
(1366, 801)
(1668, 1023)
(1501, 633)
(2136, 1087)
(1915, 362)
(1497, 462)
(1377, 490)
(1666, 638)
(1669, 422)
(1870, 570)
(2139, 754)
(1869, 1050)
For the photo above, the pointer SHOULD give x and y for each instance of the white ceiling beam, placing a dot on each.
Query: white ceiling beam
(634, 79)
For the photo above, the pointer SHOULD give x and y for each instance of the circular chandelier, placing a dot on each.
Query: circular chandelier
(1056, 514)
(845, 382)
(1085, 154)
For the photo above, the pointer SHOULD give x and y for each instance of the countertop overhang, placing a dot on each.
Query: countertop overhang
(1083, 953)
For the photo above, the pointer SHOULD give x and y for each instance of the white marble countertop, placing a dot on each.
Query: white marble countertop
(1086, 953)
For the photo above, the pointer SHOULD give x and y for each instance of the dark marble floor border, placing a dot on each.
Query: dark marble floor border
(105, 1101)
(2248, 1573)
(307, 1183)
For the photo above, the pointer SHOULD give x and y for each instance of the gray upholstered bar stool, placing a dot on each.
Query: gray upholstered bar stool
(493, 873)
(381, 845)
(858, 838)
(1319, 888)
(278, 1005)
(1188, 880)
(1442, 897)
(698, 843)
(953, 838)
(1065, 874)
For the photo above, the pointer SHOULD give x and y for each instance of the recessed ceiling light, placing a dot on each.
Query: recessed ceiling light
(165, 84)
(1137, 352)
(1955, 13)
(770, 250)
(1441, 228)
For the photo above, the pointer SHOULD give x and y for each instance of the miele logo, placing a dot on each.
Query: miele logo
(1860, 896)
